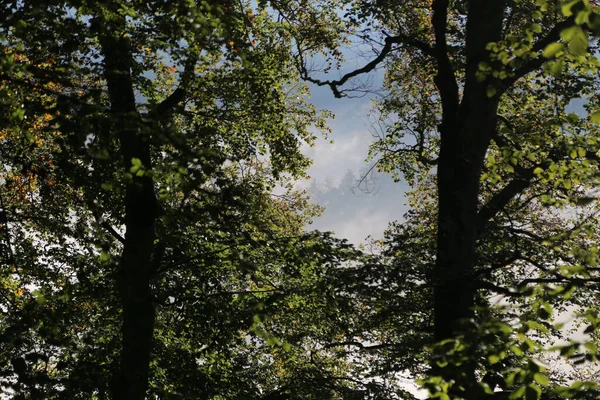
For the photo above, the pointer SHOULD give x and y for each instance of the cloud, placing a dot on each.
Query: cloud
(353, 215)
(351, 140)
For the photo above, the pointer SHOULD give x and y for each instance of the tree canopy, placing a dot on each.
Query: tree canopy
(153, 244)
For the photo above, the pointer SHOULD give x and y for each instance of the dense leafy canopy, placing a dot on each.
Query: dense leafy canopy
(491, 112)
(144, 251)
(152, 244)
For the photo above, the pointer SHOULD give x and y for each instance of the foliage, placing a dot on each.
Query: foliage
(142, 144)
(491, 109)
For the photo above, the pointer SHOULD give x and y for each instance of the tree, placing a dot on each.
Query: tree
(136, 190)
(481, 91)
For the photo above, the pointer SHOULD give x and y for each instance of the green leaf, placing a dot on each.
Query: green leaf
(486, 388)
(556, 67)
(494, 359)
(542, 379)
(533, 393)
(517, 393)
(39, 297)
(517, 351)
(552, 49)
(584, 201)
(567, 8)
(595, 117)
(576, 38)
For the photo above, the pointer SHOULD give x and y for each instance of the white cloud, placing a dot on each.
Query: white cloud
(358, 215)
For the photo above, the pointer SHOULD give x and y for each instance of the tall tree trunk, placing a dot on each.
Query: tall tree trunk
(465, 133)
(135, 269)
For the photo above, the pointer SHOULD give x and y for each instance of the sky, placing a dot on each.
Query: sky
(355, 214)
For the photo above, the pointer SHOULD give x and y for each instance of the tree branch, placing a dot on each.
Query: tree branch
(168, 105)
(445, 80)
(359, 345)
(112, 231)
(580, 281)
(536, 62)
(521, 182)
(389, 41)
(196, 298)
(494, 266)
(498, 289)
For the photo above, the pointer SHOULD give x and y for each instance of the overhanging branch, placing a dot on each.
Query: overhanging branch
(113, 232)
(388, 46)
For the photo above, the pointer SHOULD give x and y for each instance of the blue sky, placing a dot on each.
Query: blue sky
(367, 214)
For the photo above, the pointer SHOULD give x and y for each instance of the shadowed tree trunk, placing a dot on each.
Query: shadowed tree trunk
(466, 130)
(135, 268)
(465, 133)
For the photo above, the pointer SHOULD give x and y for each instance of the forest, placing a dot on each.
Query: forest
(155, 242)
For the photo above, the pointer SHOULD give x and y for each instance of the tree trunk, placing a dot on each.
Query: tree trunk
(135, 269)
(465, 133)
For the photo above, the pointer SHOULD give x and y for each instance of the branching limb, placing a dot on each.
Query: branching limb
(445, 79)
(113, 232)
(537, 61)
(388, 46)
(499, 289)
(175, 99)
(504, 196)
(515, 256)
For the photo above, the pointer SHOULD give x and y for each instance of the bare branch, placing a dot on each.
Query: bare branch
(112, 231)
(389, 42)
